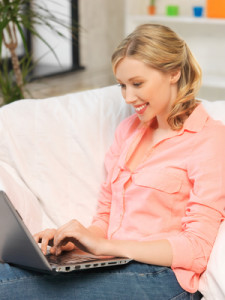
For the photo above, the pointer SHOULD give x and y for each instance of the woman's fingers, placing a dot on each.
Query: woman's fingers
(44, 237)
(68, 247)
(70, 230)
(64, 241)
(68, 235)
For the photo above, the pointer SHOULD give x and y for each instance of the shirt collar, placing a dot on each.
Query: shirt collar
(194, 123)
(197, 119)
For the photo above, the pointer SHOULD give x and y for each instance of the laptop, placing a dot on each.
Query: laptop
(18, 247)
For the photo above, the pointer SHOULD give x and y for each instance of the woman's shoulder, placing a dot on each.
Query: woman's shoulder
(211, 139)
(215, 128)
(214, 111)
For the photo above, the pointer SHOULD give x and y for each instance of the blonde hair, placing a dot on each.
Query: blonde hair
(161, 48)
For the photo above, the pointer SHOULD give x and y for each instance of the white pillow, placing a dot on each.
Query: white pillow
(216, 109)
(212, 282)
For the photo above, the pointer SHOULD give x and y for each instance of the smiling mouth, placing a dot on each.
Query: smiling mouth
(141, 109)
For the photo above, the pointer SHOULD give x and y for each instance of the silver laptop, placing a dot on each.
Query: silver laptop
(18, 247)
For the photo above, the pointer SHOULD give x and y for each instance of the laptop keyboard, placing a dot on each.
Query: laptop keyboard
(69, 257)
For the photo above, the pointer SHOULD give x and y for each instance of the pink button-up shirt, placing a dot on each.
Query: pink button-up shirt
(176, 193)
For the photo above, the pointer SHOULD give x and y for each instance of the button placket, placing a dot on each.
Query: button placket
(122, 204)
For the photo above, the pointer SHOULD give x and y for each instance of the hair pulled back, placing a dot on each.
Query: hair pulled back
(161, 48)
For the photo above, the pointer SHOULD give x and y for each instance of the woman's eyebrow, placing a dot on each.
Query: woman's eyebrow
(135, 78)
(131, 79)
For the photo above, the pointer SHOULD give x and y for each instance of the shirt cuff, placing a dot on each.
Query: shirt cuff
(182, 252)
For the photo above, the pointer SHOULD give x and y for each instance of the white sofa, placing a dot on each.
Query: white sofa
(51, 162)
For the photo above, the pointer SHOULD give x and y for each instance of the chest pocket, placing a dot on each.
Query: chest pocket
(166, 181)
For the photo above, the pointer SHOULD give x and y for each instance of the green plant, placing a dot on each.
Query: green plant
(16, 16)
(152, 2)
(9, 90)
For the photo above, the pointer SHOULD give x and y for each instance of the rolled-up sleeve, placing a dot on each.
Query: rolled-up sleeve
(205, 208)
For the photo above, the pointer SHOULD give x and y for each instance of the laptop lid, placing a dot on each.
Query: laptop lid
(17, 245)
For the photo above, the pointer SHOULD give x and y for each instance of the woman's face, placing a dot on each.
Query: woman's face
(149, 91)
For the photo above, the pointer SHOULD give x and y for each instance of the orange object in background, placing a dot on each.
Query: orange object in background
(152, 9)
(215, 8)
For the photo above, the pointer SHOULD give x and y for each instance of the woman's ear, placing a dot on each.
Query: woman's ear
(175, 76)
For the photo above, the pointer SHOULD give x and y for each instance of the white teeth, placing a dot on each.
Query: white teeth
(140, 107)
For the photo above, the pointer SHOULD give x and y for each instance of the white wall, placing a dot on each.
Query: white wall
(102, 23)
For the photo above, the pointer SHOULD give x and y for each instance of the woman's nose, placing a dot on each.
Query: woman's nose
(130, 96)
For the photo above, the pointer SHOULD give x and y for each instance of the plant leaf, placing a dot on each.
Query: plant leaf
(22, 36)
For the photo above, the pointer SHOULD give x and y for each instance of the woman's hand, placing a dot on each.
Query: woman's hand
(74, 232)
(70, 236)
(46, 238)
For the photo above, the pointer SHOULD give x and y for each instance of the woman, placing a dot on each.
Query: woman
(163, 199)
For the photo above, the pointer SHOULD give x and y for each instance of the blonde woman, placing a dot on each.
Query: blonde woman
(163, 200)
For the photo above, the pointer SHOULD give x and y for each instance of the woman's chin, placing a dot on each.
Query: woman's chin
(145, 118)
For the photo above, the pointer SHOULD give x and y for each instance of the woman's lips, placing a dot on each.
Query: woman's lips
(141, 108)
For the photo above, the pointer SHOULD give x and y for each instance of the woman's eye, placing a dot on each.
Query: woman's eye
(123, 86)
(137, 84)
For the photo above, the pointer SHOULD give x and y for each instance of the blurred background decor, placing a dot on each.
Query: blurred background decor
(152, 7)
(20, 21)
(103, 24)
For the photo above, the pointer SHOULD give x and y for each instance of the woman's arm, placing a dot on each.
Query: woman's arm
(97, 231)
(92, 240)
(157, 252)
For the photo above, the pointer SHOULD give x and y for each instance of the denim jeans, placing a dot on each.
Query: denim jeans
(134, 281)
